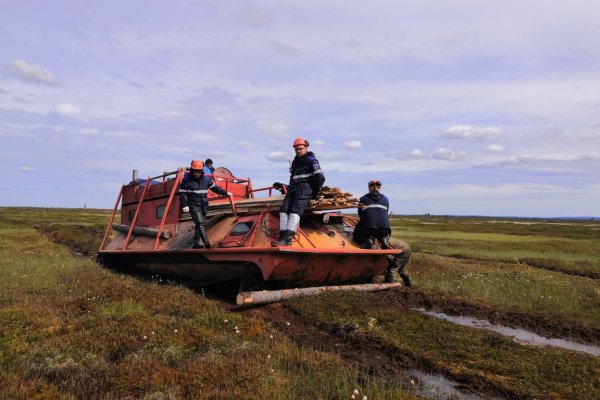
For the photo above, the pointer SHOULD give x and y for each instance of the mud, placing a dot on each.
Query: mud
(539, 324)
(518, 335)
(87, 242)
(372, 357)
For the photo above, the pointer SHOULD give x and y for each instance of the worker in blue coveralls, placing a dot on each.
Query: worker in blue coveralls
(306, 180)
(374, 223)
(193, 198)
(208, 167)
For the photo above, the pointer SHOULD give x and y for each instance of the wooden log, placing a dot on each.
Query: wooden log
(141, 230)
(272, 296)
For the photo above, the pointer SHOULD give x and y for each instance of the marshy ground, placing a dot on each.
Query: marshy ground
(73, 329)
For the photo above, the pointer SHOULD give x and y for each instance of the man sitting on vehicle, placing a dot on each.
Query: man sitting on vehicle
(374, 224)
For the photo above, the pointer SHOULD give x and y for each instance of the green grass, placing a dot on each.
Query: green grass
(71, 329)
(516, 370)
(512, 287)
(577, 251)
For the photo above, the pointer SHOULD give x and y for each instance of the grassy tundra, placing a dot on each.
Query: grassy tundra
(72, 329)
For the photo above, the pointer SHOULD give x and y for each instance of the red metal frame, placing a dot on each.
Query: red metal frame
(137, 211)
(250, 192)
(168, 206)
(283, 249)
(112, 218)
(269, 188)
(258, 222)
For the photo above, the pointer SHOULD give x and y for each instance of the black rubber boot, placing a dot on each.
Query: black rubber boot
(406, 280)
(285, 238)
(389, 276)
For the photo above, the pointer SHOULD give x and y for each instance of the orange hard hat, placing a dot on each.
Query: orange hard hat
(197, 164)
(374, 182)
(300, 142)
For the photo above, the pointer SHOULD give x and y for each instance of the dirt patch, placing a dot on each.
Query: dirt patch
(539, 324)
(370, 355)
(83, 240)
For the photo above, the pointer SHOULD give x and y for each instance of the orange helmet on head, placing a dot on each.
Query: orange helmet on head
(374, 183)
(300, 142)
(197, 164)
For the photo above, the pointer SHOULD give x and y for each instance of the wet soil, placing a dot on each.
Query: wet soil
(89, 238)
(86, 244)
(540, 324)
(371, 356)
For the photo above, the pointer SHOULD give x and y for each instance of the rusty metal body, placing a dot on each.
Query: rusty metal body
(241, 230)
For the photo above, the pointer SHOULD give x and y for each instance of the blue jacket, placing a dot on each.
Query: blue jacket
(306, 177)
(374, 213)
(208, 170)
(194, 192)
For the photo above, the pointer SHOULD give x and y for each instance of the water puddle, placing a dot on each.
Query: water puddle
(518, 335)
(437, 387)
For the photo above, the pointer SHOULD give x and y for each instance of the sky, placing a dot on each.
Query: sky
(463, 107)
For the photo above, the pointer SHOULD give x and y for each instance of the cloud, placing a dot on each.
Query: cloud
(28, 169)
(495, 148)
(353, 144)
(547, 161)
(449, 155)
(286, 49)
(512, 160)
(89, 131)
(174, 114)
(277, 156)
(418, 154)
(32, 72)
(277, 129)
(317, 143)
(67, 109)
(255, 17)
(472, 133)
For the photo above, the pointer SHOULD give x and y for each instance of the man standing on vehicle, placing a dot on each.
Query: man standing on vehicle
(374, 223)
(306, 180)
(193, 198)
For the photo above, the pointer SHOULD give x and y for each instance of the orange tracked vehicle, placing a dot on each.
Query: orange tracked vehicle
(155, 237)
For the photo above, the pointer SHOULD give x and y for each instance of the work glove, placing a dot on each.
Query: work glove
(277, 185)
(229, 194)
(185, 209)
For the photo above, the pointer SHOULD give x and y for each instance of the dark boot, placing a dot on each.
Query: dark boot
(285, 238)
(389, 276)
(406, 280)
(198, 246)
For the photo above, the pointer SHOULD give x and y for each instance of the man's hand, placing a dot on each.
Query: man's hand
(185, 209)
(229, 194)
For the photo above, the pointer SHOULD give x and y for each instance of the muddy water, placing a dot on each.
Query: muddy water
(518, 335)
(437, 387)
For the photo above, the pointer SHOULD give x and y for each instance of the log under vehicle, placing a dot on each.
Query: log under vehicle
(155, 237)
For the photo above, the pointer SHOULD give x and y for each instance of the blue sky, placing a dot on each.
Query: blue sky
(458, 107)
